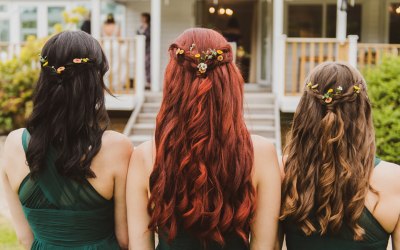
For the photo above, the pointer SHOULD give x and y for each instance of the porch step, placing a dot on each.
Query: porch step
(259, 109)
(151, 107)
(259, 114)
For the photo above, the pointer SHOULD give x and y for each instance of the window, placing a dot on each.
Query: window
(305, 20)
(28, 17)
(353, 20)
(394, 23)
(319, 20)
(3, 8)
(4, 30)
(54, 17)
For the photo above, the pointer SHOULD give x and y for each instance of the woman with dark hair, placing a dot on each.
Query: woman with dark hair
(336, 193)
(64, 175)
(204, 183)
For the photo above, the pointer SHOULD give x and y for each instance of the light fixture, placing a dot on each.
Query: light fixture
(229, 12)
(343, 6)
(211, 10)
(221, 11)
(398, 10)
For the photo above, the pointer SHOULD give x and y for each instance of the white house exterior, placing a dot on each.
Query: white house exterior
(288, 37)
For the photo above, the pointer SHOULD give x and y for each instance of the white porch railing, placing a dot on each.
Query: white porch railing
(371, 54)
(303, 54)
(126, 58)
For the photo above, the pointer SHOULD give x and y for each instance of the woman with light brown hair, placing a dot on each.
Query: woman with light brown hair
(336, 193)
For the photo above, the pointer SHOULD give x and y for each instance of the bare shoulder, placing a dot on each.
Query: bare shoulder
(13, 148)
(266, 164)
(117, 143)
(143, 155)
(14, 140)
(387, 175)
(262, 146)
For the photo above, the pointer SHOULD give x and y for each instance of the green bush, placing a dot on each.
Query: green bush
(18, 77)
(384, 90)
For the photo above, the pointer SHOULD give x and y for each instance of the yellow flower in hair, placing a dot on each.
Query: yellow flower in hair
(309, 84)
(220, 58)
(197, 55)
(181, 52)
(220, 52)
(85, 59)
(45, 64)
(60, 69)
(330, 91)
(314, 86)
(356, 89)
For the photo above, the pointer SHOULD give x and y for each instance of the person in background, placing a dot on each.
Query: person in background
(64, 175)
(86, 25)
(110, 27)
(336, 193)
(203, 180)
(145, 30)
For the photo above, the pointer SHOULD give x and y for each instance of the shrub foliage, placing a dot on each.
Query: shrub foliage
(384, 90)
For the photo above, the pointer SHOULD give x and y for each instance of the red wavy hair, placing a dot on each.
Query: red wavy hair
(201, 181)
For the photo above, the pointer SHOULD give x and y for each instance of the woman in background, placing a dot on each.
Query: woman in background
(336, 193)
(145, 30)
(204, 182)
(64, 175)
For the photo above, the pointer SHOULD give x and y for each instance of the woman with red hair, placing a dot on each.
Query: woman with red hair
(204, 183)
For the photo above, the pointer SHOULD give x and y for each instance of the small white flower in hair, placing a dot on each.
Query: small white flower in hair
(202, 67)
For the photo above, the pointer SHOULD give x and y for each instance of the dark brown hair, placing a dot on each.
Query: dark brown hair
(330, 153)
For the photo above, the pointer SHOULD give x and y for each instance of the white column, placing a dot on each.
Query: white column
(353, 50)
(140, 71)
(95, 20)
(42, 21)
(341, 22)
(155, 45)
(278, 49)
(15, 24)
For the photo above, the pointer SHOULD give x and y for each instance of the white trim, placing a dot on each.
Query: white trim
(341, 22)
(42, 21)
(155, 45)
(95, 22)
(121, 102)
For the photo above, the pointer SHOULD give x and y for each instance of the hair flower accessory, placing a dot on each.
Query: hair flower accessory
(76, 61)
(220, 58)
(180, 51)
(60, 69)
(357, 89)
(202, 67)
(220, 52)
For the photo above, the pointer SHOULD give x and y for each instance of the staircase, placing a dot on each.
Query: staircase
(261, 115)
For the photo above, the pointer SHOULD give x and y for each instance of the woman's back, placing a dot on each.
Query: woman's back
(65, 174)
(198, 186)
(265, 177)
(336, 193)
(376, 235)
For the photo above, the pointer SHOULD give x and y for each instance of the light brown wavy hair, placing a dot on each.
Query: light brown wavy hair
(330, 154)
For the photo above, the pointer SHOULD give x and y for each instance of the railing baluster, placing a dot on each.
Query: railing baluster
(321, 52)
(294, 68)
(302, 65)
(312, 55)
(330, 51)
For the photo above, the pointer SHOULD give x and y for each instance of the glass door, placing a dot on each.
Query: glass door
(264, 42)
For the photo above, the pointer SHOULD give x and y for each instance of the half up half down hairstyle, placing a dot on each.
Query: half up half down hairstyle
(201, 182)
(330, 153)
(69, 114)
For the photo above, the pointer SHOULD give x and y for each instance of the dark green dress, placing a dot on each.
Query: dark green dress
(65, 214)
(375, 238)
(184, 241)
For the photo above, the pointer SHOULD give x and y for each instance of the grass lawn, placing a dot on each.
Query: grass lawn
(8, 239)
